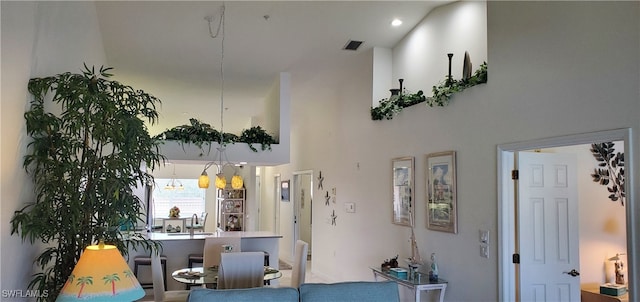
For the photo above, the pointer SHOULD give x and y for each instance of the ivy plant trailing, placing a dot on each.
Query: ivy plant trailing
(611, 170)
(201, 134)
(441, 95)
(85, 162)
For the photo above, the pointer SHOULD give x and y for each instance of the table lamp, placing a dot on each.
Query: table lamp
(619, 266)
(101, 274)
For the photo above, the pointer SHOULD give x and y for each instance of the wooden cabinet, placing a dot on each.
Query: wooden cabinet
(231, 209)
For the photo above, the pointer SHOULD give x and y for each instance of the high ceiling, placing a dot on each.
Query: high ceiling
(165, 48)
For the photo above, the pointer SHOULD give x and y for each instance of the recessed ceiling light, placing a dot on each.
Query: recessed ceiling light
(396, 22)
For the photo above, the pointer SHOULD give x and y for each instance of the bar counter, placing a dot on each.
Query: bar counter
(202, 235)
(178, 246)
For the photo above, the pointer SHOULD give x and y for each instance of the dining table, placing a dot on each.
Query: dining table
(209, 276)
(177, 246)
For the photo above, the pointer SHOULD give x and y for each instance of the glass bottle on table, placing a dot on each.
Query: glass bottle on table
(433, 271)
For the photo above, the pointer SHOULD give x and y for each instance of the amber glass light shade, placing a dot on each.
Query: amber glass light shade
(237, 182)
(203, 181)
(221, 181)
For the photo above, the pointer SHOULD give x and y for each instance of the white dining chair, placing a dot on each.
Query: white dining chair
(299, 267)
(241, 270)
(159, 292)
(213, 249)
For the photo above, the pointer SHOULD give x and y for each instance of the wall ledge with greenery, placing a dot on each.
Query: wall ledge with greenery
(202, 134)
(442, 94)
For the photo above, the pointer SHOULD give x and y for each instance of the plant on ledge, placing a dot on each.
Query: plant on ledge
(393, 105)
(611, 171)
(441, 95)
(85, 162)
(256, 135)
(199, 134)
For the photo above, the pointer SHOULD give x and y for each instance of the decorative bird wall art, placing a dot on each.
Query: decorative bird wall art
(320, 180)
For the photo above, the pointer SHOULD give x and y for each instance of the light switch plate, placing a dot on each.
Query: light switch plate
(484, 236)
(484, 251)
(350, 207)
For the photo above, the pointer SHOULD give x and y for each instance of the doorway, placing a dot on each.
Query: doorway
(258, 194)
(508, 223)
(276, 204)
(302, 196)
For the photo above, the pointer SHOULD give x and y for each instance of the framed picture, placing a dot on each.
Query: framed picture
(284, 190)
(441, 192)
(402, 183)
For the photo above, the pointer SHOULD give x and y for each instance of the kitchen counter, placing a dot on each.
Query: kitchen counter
(178, 246)
(203, 235)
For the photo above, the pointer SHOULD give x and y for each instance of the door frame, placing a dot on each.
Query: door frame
(296, 207)
(276, 203)
(258, 194)
(507, 282)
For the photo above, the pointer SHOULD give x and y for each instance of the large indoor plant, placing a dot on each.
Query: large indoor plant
(89, 145)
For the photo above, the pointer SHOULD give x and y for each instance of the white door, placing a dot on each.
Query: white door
(548, 227)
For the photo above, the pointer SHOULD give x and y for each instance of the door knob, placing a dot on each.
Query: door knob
(573, 273)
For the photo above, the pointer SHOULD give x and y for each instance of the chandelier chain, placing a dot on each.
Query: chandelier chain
(221, 27)
(223, 160)
(222, 77)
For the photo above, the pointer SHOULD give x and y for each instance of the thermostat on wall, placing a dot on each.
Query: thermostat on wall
(350, 207)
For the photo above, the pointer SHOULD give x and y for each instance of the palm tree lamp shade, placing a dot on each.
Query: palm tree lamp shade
(101, 274)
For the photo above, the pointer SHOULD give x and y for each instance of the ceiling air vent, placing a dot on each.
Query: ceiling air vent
(352, 45)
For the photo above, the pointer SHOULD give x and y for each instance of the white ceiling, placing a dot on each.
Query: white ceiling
(165, 48)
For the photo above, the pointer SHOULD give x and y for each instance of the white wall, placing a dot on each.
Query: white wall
(33, 46)
(555, 68)
(421, 58)
(16, 189)
(567, 71)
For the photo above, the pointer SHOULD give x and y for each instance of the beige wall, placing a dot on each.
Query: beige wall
(555, 68)
(32, 45)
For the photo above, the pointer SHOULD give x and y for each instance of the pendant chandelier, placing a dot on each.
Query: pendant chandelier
(174, 183)
(221, 155)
